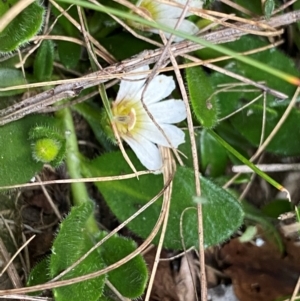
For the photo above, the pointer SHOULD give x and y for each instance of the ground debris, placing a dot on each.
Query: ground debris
(261, 273)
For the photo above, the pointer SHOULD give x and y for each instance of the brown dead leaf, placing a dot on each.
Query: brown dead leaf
(164, 286)
(260, 273)
(186, 279)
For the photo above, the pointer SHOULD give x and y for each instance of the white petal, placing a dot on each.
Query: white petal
(129, 89)
(168, 111)
(174, 134)
(193, 3)
(186, 26)
(159, 88)
(165, 11)
(146, 151)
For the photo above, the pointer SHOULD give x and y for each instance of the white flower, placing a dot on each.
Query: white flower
(168, 15)
(136, 127)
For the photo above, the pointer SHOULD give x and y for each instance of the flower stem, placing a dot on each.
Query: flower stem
(79, 191)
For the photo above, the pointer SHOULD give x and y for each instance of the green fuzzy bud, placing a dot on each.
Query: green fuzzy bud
(48, 145)
(45, 150)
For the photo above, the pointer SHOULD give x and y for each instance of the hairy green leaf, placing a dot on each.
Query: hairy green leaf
(22, 28)
(71, 243)
(222, 213)
(43, 63)
(203, 100)
(129, 279)
(39, 274)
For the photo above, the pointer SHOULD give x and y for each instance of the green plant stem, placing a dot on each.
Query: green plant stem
(79, 191)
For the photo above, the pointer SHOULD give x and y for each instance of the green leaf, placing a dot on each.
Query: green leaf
(269, 6)
(285, 142)
(213, 155)
(68, 28)
(222, 213)
(43, 63)
(124, 45)
(11, 77)
(272, 57)
(23, 27)
(39, 274)
(203, 100)
(253, 5)
(277, 207)
(16, 160)
(129, 279)
(69, 53)
(186, 148)
(71, 243)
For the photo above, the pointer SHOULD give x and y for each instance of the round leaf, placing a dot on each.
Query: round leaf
(222, 212)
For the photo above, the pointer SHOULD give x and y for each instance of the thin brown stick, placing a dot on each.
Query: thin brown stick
(49, 199)
(145, 58)
(11, 270)
(81, 180)
(239, 7)
(296, 290)
(168, 169)
(105, 54)
(9, 262)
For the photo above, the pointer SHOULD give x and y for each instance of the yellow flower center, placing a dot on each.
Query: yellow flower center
(124, 116)
(150, 9)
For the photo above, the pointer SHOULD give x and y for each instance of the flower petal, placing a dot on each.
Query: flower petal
(129, 89)
(193, 3)
(159, 88)
(152, 133)
(146, 151)
(168, 111)
(165, 11)
(185, 26)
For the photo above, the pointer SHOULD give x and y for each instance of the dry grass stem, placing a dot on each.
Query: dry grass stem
(71, 89)
(11, 270)
(49, 199)
(169, 169)
(267, 168)
(9, 261)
